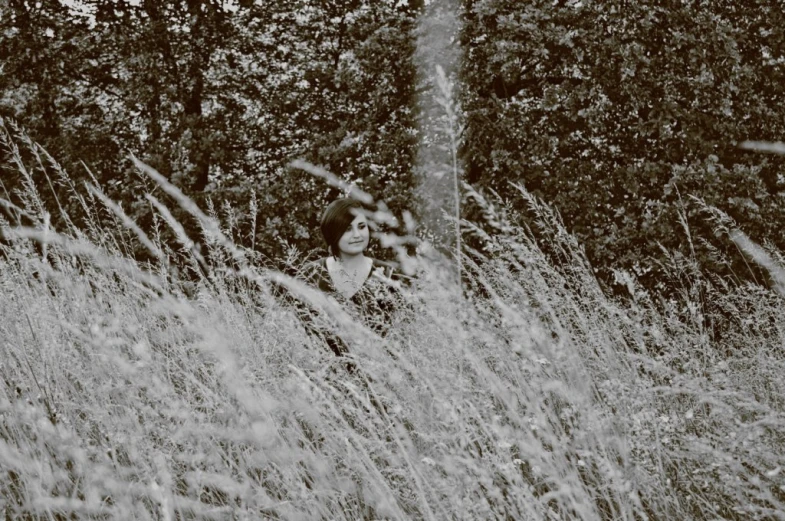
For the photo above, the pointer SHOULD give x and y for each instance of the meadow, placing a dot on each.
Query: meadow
(132, 390)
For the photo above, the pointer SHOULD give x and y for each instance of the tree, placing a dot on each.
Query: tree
(219, 98)
(616, 112)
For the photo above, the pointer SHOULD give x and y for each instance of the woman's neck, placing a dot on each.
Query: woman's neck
(352, 261)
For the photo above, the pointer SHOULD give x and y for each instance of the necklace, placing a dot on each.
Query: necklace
(348, 278)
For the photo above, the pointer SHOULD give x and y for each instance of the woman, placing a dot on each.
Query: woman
(368, 288)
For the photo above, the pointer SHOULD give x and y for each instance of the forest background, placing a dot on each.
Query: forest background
(185, 388)
(613, 112)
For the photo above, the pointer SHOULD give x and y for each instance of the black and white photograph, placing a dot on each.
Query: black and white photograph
(392, 260)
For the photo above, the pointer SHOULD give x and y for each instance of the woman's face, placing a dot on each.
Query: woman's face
(355, 239)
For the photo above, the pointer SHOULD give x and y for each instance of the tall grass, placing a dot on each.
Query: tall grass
(131, 392)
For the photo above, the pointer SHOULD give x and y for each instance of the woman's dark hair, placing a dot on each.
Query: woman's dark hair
(337, 217)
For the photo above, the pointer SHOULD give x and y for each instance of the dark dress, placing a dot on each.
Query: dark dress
(375, 303)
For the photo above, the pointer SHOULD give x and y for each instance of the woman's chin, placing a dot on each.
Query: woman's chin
(354, 250)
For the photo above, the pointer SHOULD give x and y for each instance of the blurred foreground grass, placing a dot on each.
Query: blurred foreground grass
(129, 393)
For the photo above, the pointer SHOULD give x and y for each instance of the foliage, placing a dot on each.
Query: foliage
(532, 395)
(218, 97)
(617, 112)
(133, 388)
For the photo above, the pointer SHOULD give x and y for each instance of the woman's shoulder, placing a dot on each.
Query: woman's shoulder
(391, 270)
(383, 264)
(384, 267)
(315, 272)
(314, 265)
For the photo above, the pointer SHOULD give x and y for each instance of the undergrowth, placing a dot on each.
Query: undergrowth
(132, 390)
